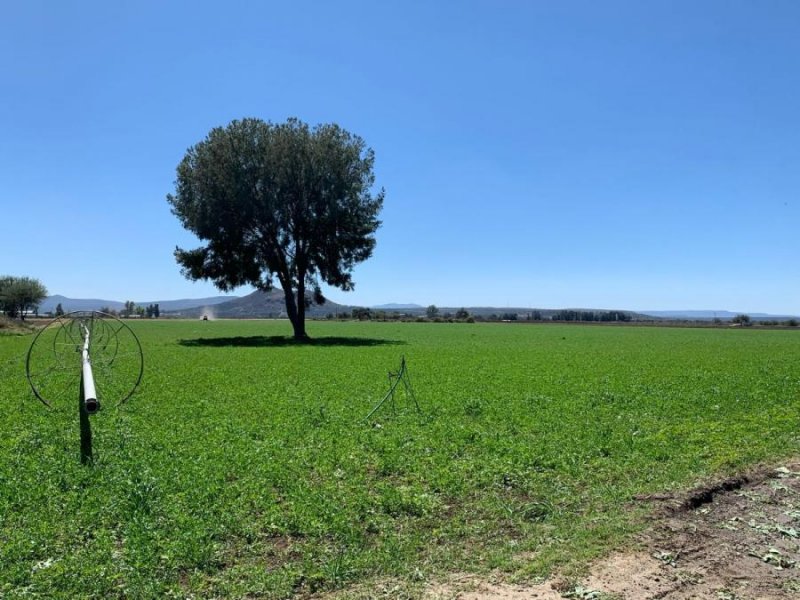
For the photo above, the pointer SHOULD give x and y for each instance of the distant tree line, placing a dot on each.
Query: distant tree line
(588, 316)
(432, 314)
(435, 315)
(745, 320)
(131, 309)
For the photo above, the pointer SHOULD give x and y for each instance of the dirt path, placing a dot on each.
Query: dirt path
(738, 539)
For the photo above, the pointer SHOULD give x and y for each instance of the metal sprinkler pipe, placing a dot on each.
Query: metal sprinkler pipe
(90, 401)
(100, 340)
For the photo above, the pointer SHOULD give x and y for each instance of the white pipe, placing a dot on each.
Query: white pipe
(89, 391)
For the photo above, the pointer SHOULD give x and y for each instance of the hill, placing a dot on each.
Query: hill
(256, 305)
(271, 305)
(72, 304)
(398, 306)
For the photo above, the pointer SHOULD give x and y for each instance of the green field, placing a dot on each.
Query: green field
(244, 467)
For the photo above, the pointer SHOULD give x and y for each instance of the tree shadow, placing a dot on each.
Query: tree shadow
(278, 341)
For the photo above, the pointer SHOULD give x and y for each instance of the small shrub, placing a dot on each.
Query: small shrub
(473, 408)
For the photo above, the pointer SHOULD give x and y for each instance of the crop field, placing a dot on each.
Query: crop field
(244, 466)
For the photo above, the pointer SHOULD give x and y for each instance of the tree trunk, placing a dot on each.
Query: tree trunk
(296, 317)
(299, 325)
(300, 328)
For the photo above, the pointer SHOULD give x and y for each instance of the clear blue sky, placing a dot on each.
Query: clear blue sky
(637, 155)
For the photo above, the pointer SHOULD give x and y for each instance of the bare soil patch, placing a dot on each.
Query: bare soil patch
(737, 539)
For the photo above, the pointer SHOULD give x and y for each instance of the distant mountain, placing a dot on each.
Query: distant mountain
(189, 302)
(395, 306)
(702, 315)
(72, 304)
(271, 304)
(256, 305)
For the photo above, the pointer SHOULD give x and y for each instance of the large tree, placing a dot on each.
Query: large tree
(278, 201)
(20, 294)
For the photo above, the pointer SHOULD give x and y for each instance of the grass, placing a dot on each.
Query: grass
(244, 466)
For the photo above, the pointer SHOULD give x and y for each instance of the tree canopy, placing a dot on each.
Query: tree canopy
(278, 201)
(20, 294)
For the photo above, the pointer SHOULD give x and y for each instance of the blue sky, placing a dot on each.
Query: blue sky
(637, 155)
